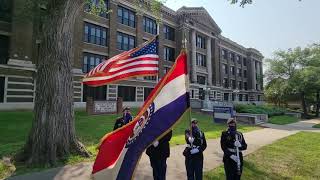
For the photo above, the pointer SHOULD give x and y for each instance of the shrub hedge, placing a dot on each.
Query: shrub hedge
(260, 109)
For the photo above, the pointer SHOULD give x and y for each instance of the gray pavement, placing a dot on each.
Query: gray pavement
(176, 168)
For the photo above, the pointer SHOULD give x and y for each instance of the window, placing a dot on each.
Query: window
(245, 85)
(168, 54)
(257, 86)
(95, 34)
(95, 3)
(232, 56)
(226, 96)
(239, 84)
(225, 83)
(97, 93)
(224, 54)
(126, 17)
(246, 97)
(244, 60)
(232, 70)
(150, 25)
(147, 92)
(2, 81)
(239, 72)
(201, 42)
(6, 10)
(128, 93)
(245, 73)
(240, 97)
(150, 78)
(225, 69)
(125, 42)
(90, 61)
(169, 33)
(233, 84)
(192, 94)
(238, 59)
(259, 97)
(201, 60)
(4, 49)
(201, 80)
(233, 97)
(201, 94)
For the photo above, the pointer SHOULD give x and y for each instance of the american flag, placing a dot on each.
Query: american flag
(140, 61)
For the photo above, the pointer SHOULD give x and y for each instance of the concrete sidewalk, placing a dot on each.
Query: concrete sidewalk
(176, 168)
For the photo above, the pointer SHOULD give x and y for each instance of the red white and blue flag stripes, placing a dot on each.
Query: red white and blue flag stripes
(120, 151)
(140, 61)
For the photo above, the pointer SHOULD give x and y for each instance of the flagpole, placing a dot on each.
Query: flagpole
(184, 48)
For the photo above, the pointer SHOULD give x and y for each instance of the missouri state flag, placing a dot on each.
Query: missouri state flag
(120, 150)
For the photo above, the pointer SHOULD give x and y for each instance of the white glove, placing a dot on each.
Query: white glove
(233, 157)
(237, 144)
(191, 139)
(194, 151)
(155, 143)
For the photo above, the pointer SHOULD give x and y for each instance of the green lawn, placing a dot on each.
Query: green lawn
(14, 128)
(294, 157)
(316, 126)
(281, 120)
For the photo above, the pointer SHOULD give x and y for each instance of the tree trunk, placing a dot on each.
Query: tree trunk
(52, 136)
(304, 104)
(318, 103)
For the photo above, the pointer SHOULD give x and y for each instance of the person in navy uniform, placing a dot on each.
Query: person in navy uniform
(127, 117)
(229, 142)
(158, 153)
(196, 144)
(119, 123)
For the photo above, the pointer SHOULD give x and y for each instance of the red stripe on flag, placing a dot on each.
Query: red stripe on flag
(120, 77)
(110, 149)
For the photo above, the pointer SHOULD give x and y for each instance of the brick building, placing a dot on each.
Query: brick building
(215, 62)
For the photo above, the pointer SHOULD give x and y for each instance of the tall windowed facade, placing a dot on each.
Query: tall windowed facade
(169, 54)
(95, 34)
(126, 17)
(125, 42)
(169, 33)
(150, 25)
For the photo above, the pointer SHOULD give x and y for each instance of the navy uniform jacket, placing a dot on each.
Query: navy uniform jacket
(199, 142)
(162, 150)
(227, 144)
(119, 123)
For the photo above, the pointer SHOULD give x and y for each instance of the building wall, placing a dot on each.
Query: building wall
(189, 23)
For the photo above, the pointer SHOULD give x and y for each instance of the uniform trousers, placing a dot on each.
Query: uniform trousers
(159, 167)
(194, 167)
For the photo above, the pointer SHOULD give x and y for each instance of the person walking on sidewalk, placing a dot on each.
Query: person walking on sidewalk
(232, 143)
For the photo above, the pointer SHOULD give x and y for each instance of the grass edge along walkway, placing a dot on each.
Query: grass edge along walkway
(292, 157)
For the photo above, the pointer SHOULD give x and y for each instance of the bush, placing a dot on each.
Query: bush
(260, 109)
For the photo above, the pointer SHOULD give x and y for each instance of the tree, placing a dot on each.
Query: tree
(52, 136)
(299, 68)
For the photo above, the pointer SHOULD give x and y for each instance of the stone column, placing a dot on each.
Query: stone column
(217, 64)
(209, 61)
(253, 74)
(113, 29)
(193, 60)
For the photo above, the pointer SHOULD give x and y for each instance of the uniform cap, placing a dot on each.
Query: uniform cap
(231, 120)
(194, 120)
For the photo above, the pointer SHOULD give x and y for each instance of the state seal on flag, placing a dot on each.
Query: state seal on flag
(141, 124)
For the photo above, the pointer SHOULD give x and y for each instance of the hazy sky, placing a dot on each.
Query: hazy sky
(266, 25)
